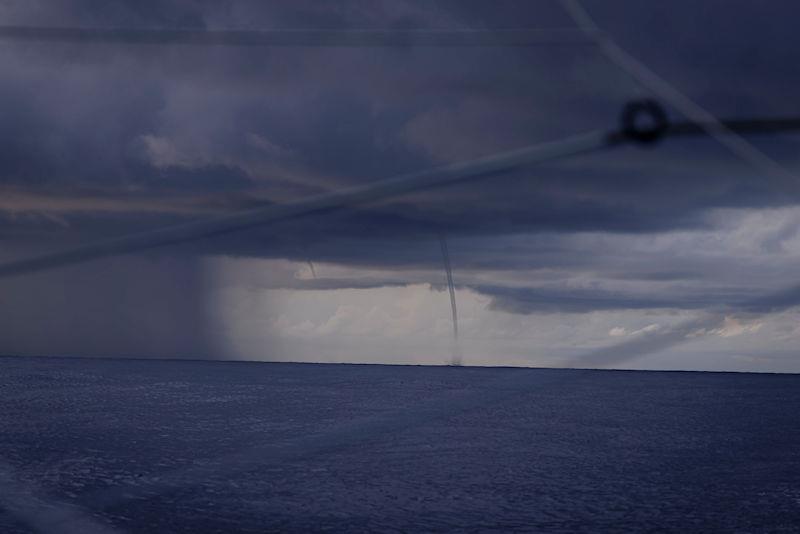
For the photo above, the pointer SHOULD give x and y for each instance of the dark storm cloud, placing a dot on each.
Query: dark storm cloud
(774, 302)
(537, 300)
(234, 128)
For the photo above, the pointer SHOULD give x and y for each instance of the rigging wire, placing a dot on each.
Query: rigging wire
(724, 132)
(345, 198)
(381, 190)
(299, 37)
(651, 81)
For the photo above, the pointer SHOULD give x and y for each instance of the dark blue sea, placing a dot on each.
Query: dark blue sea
(185, 446)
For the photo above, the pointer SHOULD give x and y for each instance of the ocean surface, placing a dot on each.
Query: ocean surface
(185, 446)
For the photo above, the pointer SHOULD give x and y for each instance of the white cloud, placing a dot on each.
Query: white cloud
(619, 331)
(162, 152)
(732, 326)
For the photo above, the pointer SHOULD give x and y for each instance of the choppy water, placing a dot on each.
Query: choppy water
(163, 446)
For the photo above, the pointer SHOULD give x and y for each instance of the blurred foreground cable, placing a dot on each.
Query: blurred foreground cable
(399, 185)
(717, 129)
(299, 37)
(353, 196)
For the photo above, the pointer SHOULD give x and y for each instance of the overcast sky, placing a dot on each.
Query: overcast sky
(679, 256)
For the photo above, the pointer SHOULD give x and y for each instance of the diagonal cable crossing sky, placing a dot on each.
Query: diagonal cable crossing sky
(300, 37)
